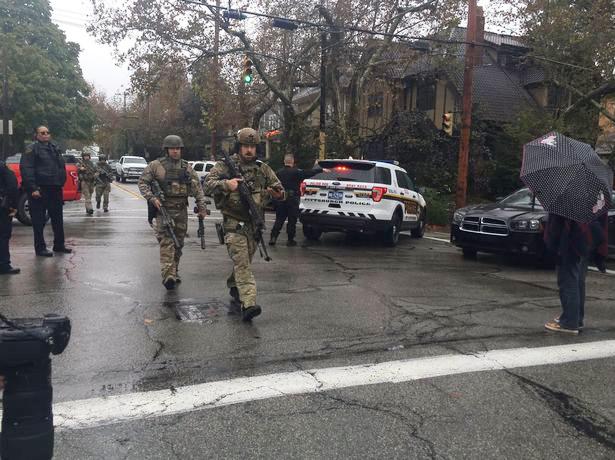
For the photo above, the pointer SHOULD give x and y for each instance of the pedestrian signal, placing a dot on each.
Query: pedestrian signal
(447, 123)
(247, 74)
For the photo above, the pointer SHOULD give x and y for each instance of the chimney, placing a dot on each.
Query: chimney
(480, 35)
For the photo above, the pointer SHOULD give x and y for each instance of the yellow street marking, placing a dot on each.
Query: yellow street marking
(136, 195)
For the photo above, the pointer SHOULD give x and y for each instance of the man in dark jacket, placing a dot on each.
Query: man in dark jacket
(43, 173)
(291, 178)
(8, 208)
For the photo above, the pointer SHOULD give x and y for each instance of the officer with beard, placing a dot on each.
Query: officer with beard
(238, 229)
(178, 181)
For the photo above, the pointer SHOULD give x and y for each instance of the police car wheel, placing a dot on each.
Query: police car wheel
(419, 231)
(391, 235)
(311, 233)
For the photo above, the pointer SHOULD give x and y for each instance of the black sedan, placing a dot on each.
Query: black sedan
(513, 225)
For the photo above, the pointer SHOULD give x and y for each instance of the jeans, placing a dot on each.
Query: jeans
(6, 225)
(571, 273)
(50, 201)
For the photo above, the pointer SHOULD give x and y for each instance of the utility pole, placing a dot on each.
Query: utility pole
(214, 80)
(323, 98)
(466, 115)
(125, 127)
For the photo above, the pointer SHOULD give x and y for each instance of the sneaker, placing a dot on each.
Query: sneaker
(580, 328)
(556, 327)
(291, 243)
(248, 313)
(169, 283)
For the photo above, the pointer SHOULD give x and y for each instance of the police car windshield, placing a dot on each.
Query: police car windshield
(347, 171)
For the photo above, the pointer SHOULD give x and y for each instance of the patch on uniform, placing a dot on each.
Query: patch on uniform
(191, 311)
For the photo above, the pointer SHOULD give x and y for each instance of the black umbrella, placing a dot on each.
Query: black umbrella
(568, 177)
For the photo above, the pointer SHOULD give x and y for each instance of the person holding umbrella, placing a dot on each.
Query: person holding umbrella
(574, 186)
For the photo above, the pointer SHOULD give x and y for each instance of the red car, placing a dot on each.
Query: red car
(69, 192)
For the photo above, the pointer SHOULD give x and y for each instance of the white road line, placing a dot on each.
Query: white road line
(594, 269)
(436, 239)
(133, 406)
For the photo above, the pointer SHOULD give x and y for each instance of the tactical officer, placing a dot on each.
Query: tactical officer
(291, 178)
(239, 231)
(177, 180)
(43, 173)
(104, 177)
(87, 177)
(8, 208)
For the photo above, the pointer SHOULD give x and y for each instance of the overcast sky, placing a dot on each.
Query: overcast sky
(97, 62)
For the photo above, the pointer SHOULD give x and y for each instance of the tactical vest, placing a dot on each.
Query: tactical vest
(231, 204)
(177, 181)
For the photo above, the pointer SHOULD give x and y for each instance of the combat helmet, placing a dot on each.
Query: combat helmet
(172, 141)
(248, 136)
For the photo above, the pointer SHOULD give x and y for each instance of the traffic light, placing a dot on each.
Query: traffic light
(447, 123)
(247, 74)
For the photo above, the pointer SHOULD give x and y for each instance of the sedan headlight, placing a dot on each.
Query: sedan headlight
(531, 225)
(458, 217)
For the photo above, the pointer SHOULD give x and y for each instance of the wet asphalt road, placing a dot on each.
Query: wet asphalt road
(333, 303)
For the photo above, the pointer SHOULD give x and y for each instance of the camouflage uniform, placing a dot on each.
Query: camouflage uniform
(177, 181)
(86, 174)
(239, 233)
(103, 183)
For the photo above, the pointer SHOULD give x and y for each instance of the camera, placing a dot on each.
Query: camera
(27, 418)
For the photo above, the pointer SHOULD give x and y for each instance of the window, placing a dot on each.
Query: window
(425, 96)
(198, 167)
(401, 179)
(374, 104)
(208, 167)
(383, 176)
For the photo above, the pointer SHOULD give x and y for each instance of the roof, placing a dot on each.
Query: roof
(498, 92)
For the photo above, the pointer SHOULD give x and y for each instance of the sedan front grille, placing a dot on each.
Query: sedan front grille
(485, 225)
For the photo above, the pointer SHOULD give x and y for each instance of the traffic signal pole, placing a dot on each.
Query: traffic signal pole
(5, 114)
(466, 115)
(322, 154)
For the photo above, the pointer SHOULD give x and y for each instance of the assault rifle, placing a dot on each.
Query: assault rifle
(245, 195)
(201, 231)
(167, 221)
(104, 176)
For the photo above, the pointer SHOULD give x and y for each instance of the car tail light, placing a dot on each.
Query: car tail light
(378, 193)
(302, 189)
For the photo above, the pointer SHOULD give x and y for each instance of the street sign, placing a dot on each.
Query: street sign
(10, 127)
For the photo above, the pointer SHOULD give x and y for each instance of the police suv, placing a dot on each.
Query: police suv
(362, 196)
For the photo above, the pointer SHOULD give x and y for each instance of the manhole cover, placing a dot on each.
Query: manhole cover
(200, 312)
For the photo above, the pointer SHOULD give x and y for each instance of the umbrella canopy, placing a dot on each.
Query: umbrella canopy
(568, 177)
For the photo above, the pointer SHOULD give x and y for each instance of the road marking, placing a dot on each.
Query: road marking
(134, 406)
(137, 195)
(608, 272)
(437, 239)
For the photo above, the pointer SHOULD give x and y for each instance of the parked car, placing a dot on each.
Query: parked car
(362, 196)
(70, 191)
(129, 167)
(513, 225)
(202, 168)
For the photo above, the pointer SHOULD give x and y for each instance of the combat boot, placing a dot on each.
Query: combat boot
(98, 205)
(89, 212)
(106, 210)
(273, 239)
(251, 312)
(169, 283)
(291, 242)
